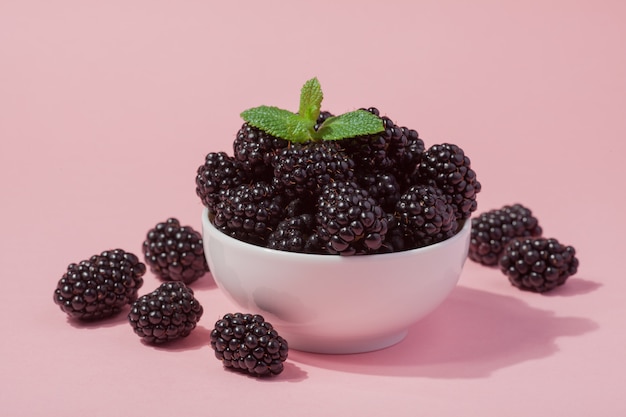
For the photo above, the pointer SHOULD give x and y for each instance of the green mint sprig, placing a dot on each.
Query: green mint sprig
(300, 127)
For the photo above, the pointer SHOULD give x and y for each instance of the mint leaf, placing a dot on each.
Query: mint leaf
(351, 124)
(311, 97)
(280, 123)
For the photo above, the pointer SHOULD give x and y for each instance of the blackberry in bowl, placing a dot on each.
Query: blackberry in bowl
(332, 303)
(347, 244)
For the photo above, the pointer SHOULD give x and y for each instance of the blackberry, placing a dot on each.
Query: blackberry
(218, 173)
(174, 252)
(301, 170)
(170, 312)
(492, 230)
(254, 149)
(250, 212)
(395, 238)
(538, 264)
(408, 160)
(349, 220)
(100, 286)
(425, 216)
(321, 118)
(396, 150)
(369, 152)
(446, 166)
(247, 343)
(383, 187)
(296, 234)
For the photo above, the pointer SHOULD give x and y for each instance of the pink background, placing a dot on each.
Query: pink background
(108, 107)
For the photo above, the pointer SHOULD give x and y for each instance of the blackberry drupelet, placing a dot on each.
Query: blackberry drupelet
(349, 221)
(425, 216)
(100, 286)
(296, 234)
(170, 312)
(492, 230)
(218, 173)
(254, 149)
(538, 264)
(174, 252)
(250, 212)
(247, 343)
(301, 170)
(446, 166)
(382, 187)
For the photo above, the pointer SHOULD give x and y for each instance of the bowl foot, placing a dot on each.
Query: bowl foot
(341, 347)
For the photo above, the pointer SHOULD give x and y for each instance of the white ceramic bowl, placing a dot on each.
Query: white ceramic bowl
(332, 303)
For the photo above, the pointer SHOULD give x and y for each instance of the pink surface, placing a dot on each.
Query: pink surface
(107, 109)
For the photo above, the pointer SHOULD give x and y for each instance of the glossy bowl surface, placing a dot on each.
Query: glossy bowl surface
(331, 303)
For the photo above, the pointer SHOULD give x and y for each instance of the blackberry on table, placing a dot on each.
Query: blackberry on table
(168, 313)
(174, 252)
(446, 166)
(425, 216)
(254, 149)
(250, 212)
(492, 230)
(538, 264)
(247, 343)
(100, 286)
(349, 221)
(301, 170)
(219, 172)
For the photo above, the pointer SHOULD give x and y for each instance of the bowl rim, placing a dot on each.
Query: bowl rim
(207, 226)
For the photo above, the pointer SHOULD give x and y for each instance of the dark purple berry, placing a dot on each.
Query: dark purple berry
(538, 264)
(247, 343)
(174, 252)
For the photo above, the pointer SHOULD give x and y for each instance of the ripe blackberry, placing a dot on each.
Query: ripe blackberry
(247, 343)
(396, 150)
(250, 212)
(100, 286)
(395, 239)
(492, 230)
(425, 216)
(170, 312)
(446, 166)
(296, 234)
(349, 220)
(301, 170)
(538, 264)
(218, 173)
(369, 152)
(321, 118)
(382, 187)
(174, 252)
(254, 149)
